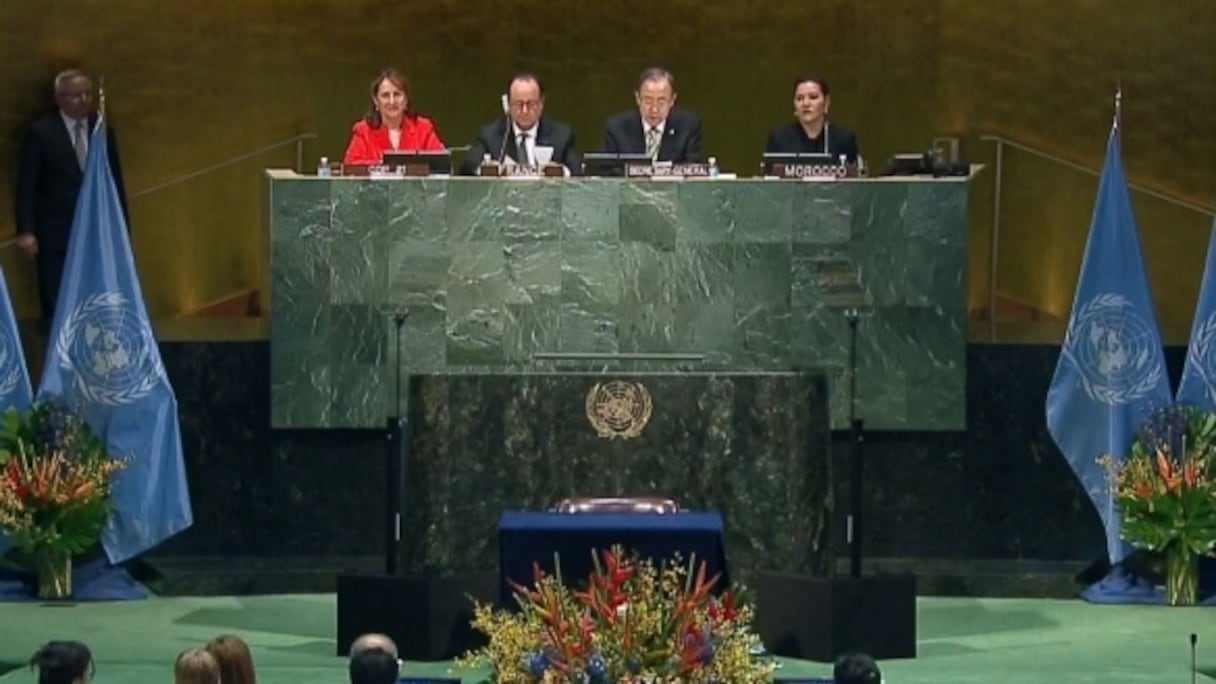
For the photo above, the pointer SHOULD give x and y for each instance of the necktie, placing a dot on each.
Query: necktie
(524, 157)
(80, 144)
(652, 143)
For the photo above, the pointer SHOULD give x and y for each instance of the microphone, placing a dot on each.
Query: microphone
(1194, 669)
(506, 131)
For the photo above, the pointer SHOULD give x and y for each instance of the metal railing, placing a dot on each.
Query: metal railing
(993, 258)
(297, 140)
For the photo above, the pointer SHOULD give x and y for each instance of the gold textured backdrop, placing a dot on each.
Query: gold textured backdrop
(194, 83)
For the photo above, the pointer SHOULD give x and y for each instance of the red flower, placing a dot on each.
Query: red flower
(723, 611)
(14, 476)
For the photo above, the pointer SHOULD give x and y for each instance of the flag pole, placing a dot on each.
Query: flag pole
(1118, 107)
(101, 100)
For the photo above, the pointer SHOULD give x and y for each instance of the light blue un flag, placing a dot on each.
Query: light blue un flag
(1198, 386)
(1111, 372)
(15, 389)
(103, 360)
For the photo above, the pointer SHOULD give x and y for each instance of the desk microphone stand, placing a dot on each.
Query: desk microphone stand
(857, 429)
(397, 442)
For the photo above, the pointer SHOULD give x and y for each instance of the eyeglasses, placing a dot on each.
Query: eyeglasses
(525, 105)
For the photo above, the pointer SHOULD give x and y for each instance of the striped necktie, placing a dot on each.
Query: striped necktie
(653, 141)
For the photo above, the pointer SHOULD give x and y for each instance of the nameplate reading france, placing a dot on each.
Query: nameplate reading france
(666, 171)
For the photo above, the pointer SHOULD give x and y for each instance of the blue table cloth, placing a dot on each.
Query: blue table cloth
(527, 537)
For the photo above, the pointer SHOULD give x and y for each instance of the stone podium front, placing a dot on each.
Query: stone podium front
(742, 275)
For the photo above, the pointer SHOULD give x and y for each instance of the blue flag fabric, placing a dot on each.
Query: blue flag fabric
(1198, 386)
(1111, 372)
(103, 361)
(15, 390)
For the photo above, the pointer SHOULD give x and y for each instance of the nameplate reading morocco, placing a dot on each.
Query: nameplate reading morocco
(810, 171)
(667, 171)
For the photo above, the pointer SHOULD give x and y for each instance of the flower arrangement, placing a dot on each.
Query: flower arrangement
(55, 478)
(1165, 492)
(634, 622)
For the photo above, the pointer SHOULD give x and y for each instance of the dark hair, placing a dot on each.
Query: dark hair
(373, 666)
(657, 74)
(525, 76)
(62, 662)
(234, 658)
(856, 668)
(373, 118)
(823, 85)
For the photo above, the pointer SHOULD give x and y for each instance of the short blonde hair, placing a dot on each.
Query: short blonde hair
(196, 666)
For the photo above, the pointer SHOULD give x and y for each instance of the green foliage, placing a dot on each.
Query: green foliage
(55, 478)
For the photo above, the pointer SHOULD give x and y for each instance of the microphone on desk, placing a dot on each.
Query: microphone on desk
(506, 130)
(1194, 668)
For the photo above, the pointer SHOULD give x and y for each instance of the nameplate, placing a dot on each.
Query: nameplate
(667, 171)
(516, 171)
(810, 170)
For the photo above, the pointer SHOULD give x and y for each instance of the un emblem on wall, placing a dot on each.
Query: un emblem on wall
(10, 364)
(1114, 350)
(619, 409)
(110, 349)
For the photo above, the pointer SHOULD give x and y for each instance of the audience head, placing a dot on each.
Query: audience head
(656, 95)
(812, 99)
(63, 662)
(390, 99)
(525, 99)
(373, 660)
(856, 668)
(74, 93)
(196, 666)
(234, 658)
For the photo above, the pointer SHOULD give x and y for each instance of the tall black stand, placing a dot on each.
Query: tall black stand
(874, 614)
(857, 426)
(397, 442)
(428, 615)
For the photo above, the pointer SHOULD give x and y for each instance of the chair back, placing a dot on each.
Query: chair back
(625, 504)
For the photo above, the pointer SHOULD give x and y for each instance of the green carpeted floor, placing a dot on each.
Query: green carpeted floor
(960, 640)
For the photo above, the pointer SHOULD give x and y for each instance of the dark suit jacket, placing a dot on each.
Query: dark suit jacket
(551, 133)
(792, 138)
(623, 134)
(49, 178)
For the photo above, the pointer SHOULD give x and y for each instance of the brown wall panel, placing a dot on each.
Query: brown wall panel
(195, 83)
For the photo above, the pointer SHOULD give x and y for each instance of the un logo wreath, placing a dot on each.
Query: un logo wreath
(108, 393)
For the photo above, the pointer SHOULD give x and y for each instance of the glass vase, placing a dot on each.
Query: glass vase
(1181, 577)
(54, 575)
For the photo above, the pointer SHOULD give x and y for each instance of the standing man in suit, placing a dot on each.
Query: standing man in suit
(49, 178)
(657, 129)
(521, 129)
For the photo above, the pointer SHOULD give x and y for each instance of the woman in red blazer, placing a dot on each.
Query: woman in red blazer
(390, 126)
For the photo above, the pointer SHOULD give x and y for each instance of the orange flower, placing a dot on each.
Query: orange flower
(1172, 481)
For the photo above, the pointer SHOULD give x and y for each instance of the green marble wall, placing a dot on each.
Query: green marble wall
(754, 447)
(753, 274)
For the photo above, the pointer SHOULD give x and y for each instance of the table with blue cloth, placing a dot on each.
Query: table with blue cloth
(528, 537)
